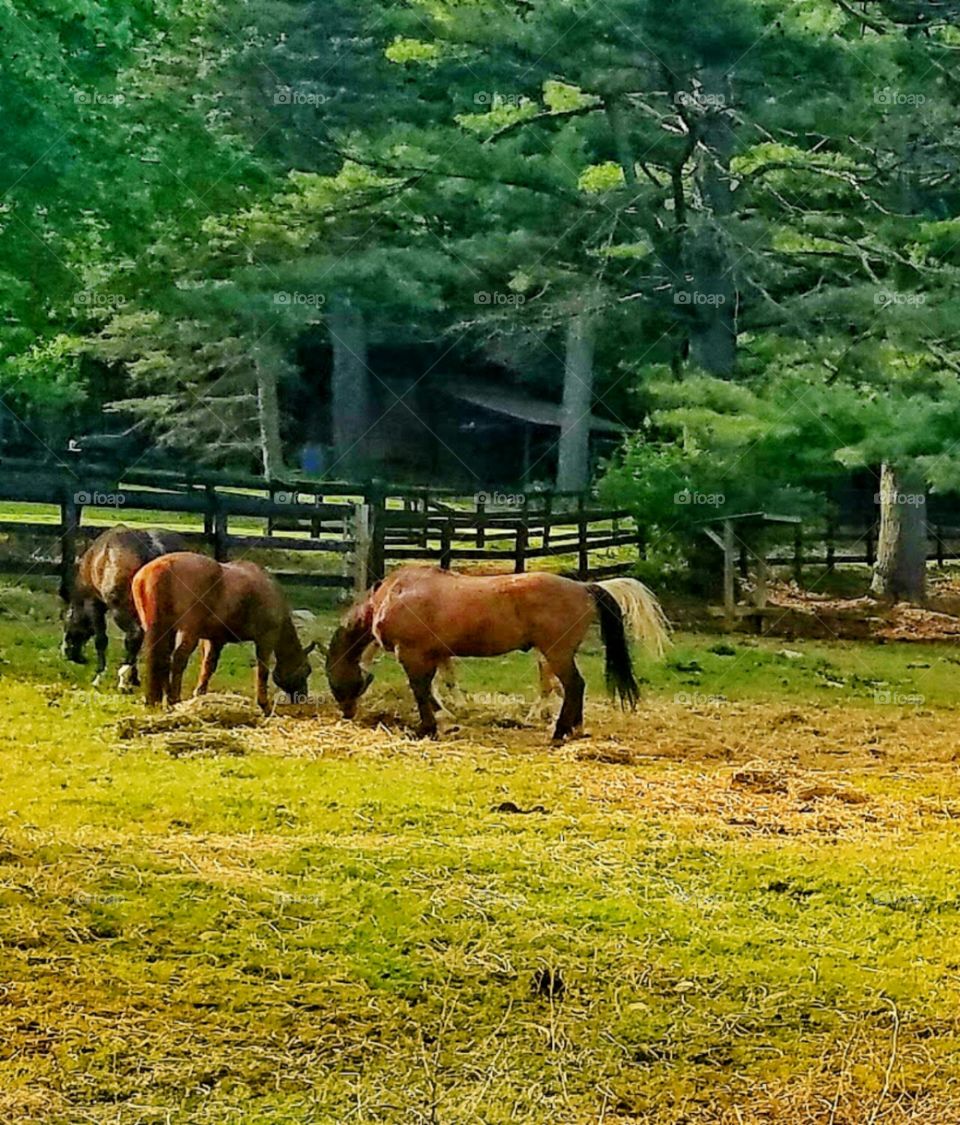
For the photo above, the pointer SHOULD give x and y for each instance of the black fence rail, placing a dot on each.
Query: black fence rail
(833, 545)
(362, 529)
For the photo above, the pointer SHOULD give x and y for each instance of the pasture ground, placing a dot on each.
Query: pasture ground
(740, 904)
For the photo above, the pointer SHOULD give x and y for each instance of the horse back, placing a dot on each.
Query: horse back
(468, 615)
(107, 567)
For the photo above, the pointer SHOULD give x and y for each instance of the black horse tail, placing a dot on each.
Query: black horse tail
(621, 682)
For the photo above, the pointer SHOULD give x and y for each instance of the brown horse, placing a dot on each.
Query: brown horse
(184, 598)
(425, 616)
(101, 586)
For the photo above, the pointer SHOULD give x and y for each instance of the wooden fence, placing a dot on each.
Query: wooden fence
(362, 528)
(831, 545)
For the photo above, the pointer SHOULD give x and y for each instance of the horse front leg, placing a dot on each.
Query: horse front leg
(262, 676)
(420, 673)
(127, 675)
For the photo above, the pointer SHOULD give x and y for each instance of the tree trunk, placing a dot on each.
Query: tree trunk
(900, 572)
(573, 467)
(268, 414)
(713, 297)
(351, 392)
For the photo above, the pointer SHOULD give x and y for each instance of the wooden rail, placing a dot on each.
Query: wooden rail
(368, 526)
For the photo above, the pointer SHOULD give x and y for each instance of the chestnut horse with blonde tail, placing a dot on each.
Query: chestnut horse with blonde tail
(426, 616)
(184, 598)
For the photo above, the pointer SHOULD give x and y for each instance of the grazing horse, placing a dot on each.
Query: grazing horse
(101, 586)
(184, 598)
(426, 616)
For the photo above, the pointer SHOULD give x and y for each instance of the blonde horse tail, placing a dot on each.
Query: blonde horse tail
(643, 615)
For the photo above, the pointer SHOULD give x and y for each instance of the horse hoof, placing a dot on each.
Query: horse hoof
(98, 679)
(125, 679)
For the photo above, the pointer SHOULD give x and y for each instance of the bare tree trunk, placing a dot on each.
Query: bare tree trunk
(573, 468)
(268, 412)
(900, 572)
(351, 391)
(713, 297)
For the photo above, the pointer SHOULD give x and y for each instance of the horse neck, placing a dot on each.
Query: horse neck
(355, 633)
(289, 650)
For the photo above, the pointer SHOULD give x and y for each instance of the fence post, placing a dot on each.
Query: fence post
(220, 533)
(583, 555)
(361, 547)
(871, 545)
(940, 545)
(831, 547)
(209, 513)
(70, 514)
(798, 554)
(446, 544)
(641, 541)
(520, 551)
(376, 555)
(481, 520)
(547, 517)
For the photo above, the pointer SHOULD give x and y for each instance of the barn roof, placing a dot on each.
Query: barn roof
(516, 405)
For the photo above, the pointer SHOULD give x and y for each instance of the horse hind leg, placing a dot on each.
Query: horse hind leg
(452, 698)
(570, 720)
(158, 649)
(186, 643)
(208, 665)
(100, 639)
(541, 709)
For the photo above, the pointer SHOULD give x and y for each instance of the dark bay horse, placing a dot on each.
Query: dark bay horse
(184, 598)
(425, 616)
(101, 586)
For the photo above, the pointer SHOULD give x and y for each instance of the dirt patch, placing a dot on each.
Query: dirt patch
(795, 612)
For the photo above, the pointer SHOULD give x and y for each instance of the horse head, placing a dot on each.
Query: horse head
(293, 680)
(346, 675)
(78, 628)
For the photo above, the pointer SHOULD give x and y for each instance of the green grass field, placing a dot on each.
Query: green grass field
(748, 891)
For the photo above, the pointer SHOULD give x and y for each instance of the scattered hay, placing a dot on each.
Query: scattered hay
(760, 779)
(822, 789)
(209, 743)
(219, 710)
